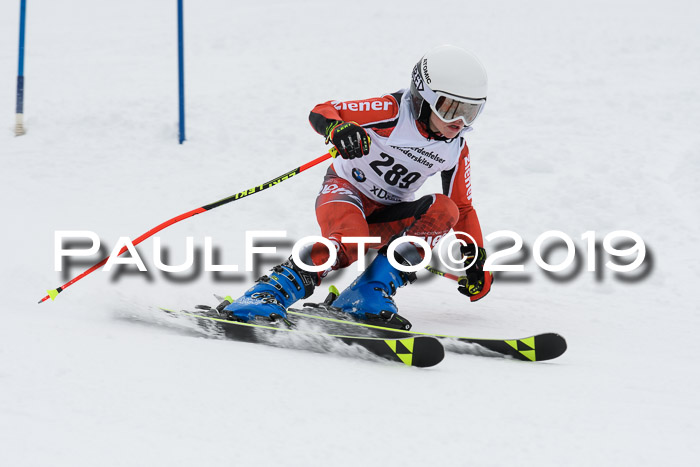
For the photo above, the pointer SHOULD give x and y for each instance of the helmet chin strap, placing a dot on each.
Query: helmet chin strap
(424, 119)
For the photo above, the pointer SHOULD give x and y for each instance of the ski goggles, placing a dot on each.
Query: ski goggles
(450, 108)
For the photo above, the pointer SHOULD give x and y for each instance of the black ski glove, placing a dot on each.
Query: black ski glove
(349, 138)
(476, 282)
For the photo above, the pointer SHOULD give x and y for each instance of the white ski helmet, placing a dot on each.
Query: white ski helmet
(451, 82)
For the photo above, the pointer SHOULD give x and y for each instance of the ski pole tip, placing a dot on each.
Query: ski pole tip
(51, 294)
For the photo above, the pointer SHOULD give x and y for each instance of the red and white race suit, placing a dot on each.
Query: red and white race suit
(374, 195)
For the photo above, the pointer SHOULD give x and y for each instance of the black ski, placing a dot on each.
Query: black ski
(418, 351)
(537, 348)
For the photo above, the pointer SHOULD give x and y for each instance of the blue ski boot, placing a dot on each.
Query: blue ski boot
(271, 295)
(369, 297)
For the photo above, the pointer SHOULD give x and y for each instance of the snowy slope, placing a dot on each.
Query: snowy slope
(591, 125)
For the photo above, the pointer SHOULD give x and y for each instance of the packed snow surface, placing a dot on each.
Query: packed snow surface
(591, 125)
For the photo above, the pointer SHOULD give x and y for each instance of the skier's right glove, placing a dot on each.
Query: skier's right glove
(476, 282)
(349, 138)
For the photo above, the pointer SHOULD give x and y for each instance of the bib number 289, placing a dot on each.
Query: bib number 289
(396, 174)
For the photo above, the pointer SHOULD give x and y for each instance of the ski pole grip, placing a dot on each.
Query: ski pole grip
(334, 151)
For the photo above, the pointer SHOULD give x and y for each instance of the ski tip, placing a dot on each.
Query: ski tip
(549, 346)
(420, 352)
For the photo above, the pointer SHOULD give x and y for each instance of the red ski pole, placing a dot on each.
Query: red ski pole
(437, 272)
(243, 194)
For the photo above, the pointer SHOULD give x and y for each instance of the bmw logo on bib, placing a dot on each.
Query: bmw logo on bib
(358, 175)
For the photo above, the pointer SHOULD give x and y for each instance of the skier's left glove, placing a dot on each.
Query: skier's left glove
(349, 138)
(475, 283)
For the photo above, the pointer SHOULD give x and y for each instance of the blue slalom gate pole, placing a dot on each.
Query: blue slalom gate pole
(181, 68)
(19, 112)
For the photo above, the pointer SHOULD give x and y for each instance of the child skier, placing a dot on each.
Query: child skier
(388, 147)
